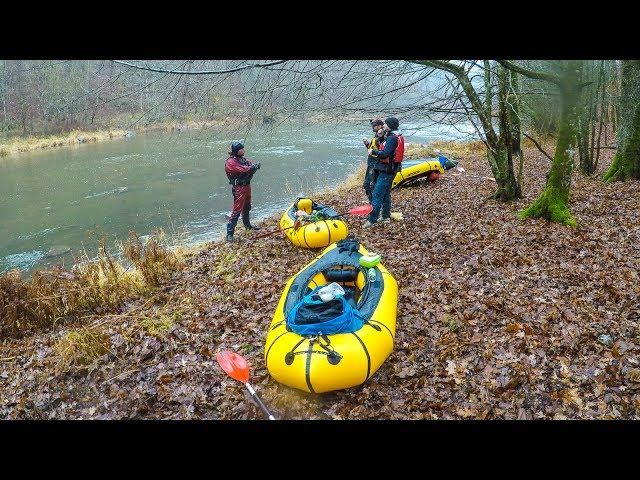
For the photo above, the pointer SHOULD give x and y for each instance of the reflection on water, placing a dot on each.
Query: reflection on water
(53, 201)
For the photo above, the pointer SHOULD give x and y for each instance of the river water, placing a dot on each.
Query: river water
(56, 203)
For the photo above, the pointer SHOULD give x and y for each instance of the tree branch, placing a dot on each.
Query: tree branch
(462, 77)
(200, 72)
(441, 65)
(548, 77)
(538, 146)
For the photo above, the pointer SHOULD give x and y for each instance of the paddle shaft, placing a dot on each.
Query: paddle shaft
(274, 231)
(255, 397)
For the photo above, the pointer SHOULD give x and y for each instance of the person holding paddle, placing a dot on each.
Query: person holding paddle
(239, 171)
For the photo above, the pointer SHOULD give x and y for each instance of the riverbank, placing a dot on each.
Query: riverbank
(21, 144)
(18, 145)
(497, 318)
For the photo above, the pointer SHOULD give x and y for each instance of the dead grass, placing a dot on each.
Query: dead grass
(99, 286)
(225, 268)
(450, 148)
(154, 262)
(81, 347)
(17, 145)
(352, 181)
(76, 137)
(182, 252)
(158, 326)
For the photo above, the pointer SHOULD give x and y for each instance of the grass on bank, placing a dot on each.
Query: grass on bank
(81, 347)
(99, 286)
(17, 145)
(449, 148)
(20, 144)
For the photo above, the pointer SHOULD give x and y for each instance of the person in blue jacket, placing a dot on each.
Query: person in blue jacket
(386, 170)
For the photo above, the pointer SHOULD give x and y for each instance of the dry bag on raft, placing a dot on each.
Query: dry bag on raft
(312, 316)
(446, 163)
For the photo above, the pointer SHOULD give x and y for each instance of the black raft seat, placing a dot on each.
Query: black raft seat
(344, 276)
(341, 274)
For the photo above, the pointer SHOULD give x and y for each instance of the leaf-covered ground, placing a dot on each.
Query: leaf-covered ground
(497, 318)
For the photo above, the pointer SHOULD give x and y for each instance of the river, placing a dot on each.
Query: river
(56, 203)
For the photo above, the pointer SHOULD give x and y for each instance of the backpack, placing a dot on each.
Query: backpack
(312, 316)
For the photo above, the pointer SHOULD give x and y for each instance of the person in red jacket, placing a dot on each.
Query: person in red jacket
(239, 171)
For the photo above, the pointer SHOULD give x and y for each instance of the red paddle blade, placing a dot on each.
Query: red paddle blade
(235, 365)
(361, 210)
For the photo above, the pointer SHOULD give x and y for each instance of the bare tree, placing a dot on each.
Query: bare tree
(626, 162)
(554, 200)
(499, 144)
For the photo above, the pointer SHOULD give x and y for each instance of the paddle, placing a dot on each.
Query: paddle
(296, 224)
(359, 211)
(237, 368)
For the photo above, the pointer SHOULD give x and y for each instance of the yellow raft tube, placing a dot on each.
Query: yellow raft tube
(324, 363)
(313, 235)
(413, 170)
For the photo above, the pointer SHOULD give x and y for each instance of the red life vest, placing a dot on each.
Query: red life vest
(398, 154)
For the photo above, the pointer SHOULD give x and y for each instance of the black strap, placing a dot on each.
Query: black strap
(348, 244)
(239, 181)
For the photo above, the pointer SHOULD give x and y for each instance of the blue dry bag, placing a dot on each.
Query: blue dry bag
(312, 316)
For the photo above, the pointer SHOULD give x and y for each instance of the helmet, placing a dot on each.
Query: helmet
(236, 147)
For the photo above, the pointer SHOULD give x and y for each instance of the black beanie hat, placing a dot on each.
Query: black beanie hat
(235, 147)
(392, 123)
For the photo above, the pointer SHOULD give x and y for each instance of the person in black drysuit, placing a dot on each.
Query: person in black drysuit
(375, 142)
(386, 170)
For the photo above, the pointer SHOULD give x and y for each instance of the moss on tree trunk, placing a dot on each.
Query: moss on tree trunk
(553, 203)
(626, 162)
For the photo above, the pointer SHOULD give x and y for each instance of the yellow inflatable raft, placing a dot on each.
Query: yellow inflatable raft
(413, 170)
(315, 234)
(323, 363)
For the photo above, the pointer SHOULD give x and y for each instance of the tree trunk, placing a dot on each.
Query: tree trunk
(508, 186)
(584, 119)
(5, 124)
(626, 162)
(488, 94)
(590, 112)
(513, 101)
(553, 202)
(602, 107)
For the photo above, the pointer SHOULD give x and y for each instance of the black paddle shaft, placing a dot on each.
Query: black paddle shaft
(255, 397)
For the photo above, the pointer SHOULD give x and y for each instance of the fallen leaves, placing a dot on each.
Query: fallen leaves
(497, 318)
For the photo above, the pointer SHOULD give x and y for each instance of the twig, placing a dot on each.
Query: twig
(474, 176)
(122, 373)
(537, 146)
(112, 316)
